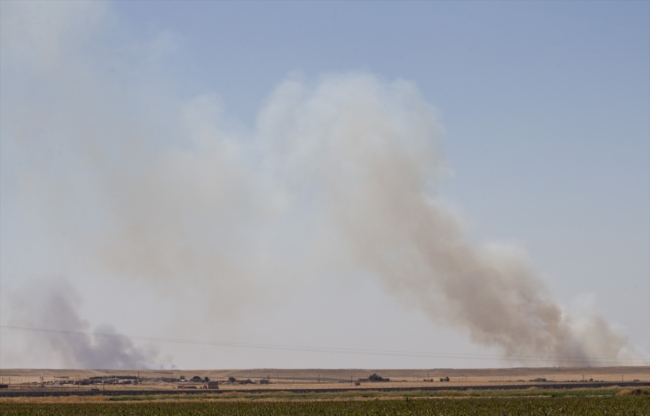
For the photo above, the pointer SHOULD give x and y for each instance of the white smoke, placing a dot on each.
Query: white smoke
(338, 174)
(368, 150)
(53, 305)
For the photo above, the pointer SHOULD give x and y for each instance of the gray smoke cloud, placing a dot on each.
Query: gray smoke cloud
(369, 151)
(338, 175)
(53, 304)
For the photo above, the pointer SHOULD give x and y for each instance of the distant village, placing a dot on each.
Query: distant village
(182, 382)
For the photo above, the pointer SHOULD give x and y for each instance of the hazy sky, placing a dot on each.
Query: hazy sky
(542, 118)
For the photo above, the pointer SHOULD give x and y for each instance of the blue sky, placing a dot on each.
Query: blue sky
(545, 108)
(545, 105)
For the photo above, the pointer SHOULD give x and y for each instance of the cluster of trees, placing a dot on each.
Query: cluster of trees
(196, 379)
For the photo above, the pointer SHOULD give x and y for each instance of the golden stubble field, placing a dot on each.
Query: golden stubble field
(331, 378)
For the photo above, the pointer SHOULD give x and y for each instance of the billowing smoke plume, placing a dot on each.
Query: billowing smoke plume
(368, 152)
(338, 175)
(54, 305)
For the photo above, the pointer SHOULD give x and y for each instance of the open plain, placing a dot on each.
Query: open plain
(46, 381)
(511, 391)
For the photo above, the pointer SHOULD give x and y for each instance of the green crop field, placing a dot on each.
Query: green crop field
(617, 405)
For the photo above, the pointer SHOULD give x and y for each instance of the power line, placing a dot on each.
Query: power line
(414, 354)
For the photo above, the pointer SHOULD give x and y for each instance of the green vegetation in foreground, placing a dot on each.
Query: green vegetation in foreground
(613, 405)
(370, 394)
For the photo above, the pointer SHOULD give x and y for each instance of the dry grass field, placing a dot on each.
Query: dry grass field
(330, 392)
(284, 379)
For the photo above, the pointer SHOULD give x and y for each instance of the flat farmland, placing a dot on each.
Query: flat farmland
(616, 405)
(327, 392)
(325, 378)
(315, 379)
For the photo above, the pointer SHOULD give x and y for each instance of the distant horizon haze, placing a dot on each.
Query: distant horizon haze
(324, 185)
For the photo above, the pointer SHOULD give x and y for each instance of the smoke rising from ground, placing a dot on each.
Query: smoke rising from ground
(369, 150)
(54, 305)
(338, 175)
